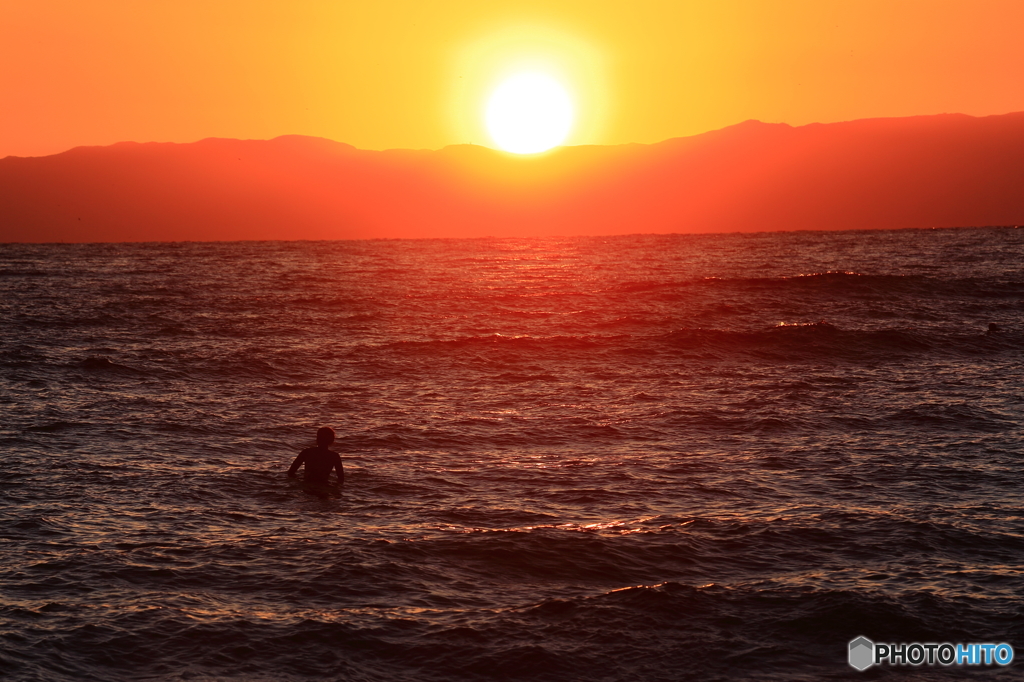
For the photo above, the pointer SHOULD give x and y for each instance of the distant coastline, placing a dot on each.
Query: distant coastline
(946, 170)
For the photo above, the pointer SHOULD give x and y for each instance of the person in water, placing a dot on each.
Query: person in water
(318, 462)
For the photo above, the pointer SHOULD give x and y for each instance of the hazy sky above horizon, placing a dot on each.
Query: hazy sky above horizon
(412, 74)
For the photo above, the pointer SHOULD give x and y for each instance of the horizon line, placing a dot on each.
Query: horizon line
(554, 236)
(500, 151)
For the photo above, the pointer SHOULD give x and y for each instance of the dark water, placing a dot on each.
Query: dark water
(639, 458)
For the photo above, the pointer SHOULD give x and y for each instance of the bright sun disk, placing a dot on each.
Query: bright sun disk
(529, 113)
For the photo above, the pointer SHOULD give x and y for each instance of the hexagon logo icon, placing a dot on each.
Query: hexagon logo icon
(862, 653)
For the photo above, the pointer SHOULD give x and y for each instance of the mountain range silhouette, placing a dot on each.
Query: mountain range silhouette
(924, 171)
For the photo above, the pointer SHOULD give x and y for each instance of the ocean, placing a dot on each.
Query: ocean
(636, 458)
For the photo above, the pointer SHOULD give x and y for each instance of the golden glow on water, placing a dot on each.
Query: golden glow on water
(508, 468)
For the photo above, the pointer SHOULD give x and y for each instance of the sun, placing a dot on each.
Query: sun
(527, 88)
(529, 113)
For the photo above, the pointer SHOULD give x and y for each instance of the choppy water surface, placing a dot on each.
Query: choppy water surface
(635, 458)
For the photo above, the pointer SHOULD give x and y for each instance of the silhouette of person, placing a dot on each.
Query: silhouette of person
(318, 463)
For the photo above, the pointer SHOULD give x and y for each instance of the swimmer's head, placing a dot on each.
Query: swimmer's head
(324, 436)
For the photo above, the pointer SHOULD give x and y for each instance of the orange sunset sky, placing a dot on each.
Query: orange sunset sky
(403, 74)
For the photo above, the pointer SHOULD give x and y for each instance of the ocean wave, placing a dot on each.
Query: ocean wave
(23, 272)
(522, 341)
(575, 459)
(105, 365)
(792, 342)
(955, 417)
(660, 631)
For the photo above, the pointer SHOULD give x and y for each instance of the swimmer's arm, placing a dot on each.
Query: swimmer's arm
(296, 464)
(341, 472)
